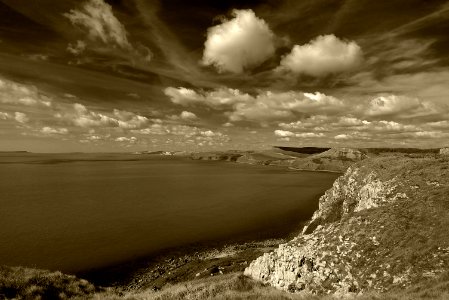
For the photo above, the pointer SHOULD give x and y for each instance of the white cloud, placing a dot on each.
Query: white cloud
(309, 134)
(21, 117)
(51, 130)
(324, 55)
(85, 118)
(81, 116)
(218, 98)
(283, 133)
(126, 139)
(102, 26)
(265, 106)
(4, 116)
(77, 48)
(19, 94)
(288, 134)
(189, 116)
(242, 42)
(400, 106)
(342, 137)
(98, 19)
(129, 120)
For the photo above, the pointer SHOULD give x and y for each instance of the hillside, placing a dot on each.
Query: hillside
(383, 225)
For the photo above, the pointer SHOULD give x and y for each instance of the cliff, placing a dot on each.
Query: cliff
(335, 159)
(383, 225)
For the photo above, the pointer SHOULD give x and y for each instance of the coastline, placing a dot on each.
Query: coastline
(188, 262)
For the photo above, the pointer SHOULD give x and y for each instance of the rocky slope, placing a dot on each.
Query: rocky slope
(382, 225)
(335, 159)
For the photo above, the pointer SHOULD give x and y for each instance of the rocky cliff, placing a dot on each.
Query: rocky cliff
(335, 159)
(382, 225)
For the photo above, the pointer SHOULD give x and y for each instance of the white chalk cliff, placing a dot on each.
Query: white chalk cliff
(371, 231)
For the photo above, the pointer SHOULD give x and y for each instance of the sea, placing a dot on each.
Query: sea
(76, 212)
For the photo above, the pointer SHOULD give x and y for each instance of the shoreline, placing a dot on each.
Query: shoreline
(183, 263)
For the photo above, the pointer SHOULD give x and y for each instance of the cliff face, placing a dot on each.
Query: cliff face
(383, 224)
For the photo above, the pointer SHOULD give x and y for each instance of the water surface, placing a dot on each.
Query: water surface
(77, 212)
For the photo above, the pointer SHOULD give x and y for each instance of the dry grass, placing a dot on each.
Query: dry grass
(25, 283)
(237, 286)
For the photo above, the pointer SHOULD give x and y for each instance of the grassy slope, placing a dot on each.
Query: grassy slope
(25, 283)
(237, 286)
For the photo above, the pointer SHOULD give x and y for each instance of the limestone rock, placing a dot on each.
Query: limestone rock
(351, 243)
(444, 151)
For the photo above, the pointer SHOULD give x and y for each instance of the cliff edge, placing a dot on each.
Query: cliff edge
(383, 225)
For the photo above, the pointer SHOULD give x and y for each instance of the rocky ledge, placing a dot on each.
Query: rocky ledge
(382, 225)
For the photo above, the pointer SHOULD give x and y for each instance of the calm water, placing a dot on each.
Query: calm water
(77, 212)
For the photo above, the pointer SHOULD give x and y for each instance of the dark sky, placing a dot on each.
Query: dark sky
(116, 75)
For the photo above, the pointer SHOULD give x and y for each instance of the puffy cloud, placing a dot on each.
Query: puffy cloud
(265, 106)
(19, 94)
(132, 139)
(51, 130)
(21, 117)
(341, 137)
(187, 134)
(187, 115)
(288, 134)
(324, 55)
(129, 120)
(85, 118)
(4, 116)
(283, 133)
(81, 116)
(242, 42)
(218, 98)
(400, 106)
(76, 48)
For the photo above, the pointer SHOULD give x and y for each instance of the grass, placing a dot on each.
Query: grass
(25, 283)
(237, 286)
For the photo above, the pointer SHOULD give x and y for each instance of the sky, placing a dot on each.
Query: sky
(146, 75)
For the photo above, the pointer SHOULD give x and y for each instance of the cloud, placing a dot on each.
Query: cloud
(97, 19)
(23, 95)
(77, 48)
(242, 42)
(283, 133)
(288, 134)
(324, 55)
(81, 116)
(341, 137)
(132, 139)
(51, 130)
(218, 98)
(188, 116)
(129, 120)
(21, 117)
(263, 107)
(4, 116)
(400, 106)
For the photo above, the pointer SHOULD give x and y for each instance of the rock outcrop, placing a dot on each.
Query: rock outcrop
(381, 225)
(444, 151)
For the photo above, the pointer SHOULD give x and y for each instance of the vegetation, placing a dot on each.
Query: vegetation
(237, 286)
(24, 283)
